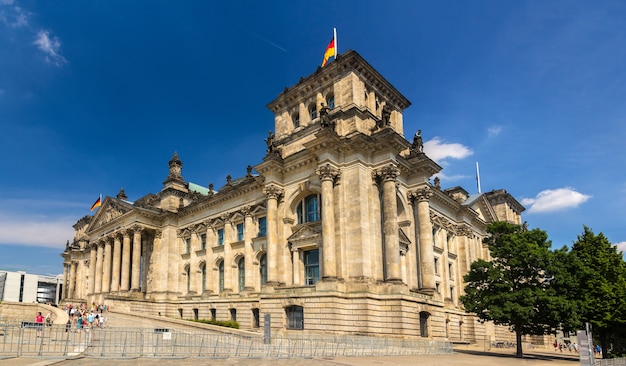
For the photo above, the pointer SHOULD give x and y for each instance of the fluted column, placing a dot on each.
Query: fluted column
(124, 286)
(99, 258)
(387, 175)
(228, 256)
(92, 270)
(117, 257)
(273, 193)
(106, 270)
(420, 198)
(328, 174)
(136, 266)
(64, 287)
(248, 227)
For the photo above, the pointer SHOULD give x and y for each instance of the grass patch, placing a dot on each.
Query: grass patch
(222, 323)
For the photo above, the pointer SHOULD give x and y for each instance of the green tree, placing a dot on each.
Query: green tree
(517, 287)
(601, 286)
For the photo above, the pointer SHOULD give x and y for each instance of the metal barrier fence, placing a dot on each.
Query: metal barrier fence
(62, 342)
(611, 362)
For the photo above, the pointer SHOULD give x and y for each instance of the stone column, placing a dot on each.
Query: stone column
(64, 287)
(420, 198)
(92, 270)
(72, 285)
(124, 286)
(273, 193)
(387, 175)
(106, 275)
(228, 256)
(248, 227)
(328, 174)
(136, 266)
(99, 258)
(117, 254)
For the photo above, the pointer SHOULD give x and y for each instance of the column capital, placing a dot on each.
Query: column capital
(420, 195)
(158, 234)
(246, 211)
(328, 172)
(137, 228)
(387, 173)
(125, 233)
(273, 191)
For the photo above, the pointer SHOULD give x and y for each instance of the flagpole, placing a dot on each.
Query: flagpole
(335, 37)
(478, 177)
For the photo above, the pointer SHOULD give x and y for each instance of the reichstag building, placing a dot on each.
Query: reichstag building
(339, 229)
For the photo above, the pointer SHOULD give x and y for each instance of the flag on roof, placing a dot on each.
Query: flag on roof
(331, 50)
(97, 203)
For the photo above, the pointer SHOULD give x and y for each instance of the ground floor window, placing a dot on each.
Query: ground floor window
(295, 317)
(424, 324)
(256, 318)
(233, 314)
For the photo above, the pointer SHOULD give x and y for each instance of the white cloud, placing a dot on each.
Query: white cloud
(13, 16)
(552, 200)
(494, 131)
(53, 233)
(621, 246)
(439, 150)
(51, 46)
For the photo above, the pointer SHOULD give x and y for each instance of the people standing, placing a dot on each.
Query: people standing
(39, 321)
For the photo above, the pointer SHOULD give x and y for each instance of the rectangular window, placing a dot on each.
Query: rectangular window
(436, 265)
(450, 271)
(213, 314)
(203, 241)
(262, 226)
(311, 267)
(239, 232)
(220, 237)
(188, 245)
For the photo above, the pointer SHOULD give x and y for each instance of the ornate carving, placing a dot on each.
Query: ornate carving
(273, 191)
(246, 210)
(138, 228)
(122, 195)
(387, 173)
(328, 172)
(464, 230)
(175, 168)
(249, 172)
(110, 214)
(420, 194)
(158, 234)
(325, 120)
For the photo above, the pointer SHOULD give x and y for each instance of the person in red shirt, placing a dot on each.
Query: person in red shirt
(39, 321)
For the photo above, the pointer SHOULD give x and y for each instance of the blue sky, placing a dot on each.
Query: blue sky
(97, 95)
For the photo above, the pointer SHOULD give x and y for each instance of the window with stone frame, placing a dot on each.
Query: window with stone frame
(311, 267)
(240, 232)
(203, 270)
(436, 260)
(262, 221)
(263, 269)
(241, 273)
(220, 269)
(312, 111)
(295, 317)
(188, 275)
(450, 271)
(330, 101)
(220, 237)
(202, 241)
(295, 118)
(424, 324)
(309, 209)
(187, 245)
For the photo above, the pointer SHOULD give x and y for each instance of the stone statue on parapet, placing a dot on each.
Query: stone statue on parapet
(270, 142)
(417, 147)
(324, 117)
(386, 116)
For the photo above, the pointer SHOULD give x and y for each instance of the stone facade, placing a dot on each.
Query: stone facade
(340, 230)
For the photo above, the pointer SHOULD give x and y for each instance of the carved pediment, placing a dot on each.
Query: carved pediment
(110, 211)
(482, 207)
(403, 238)
(306, 235)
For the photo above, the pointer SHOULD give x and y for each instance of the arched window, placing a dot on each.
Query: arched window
(308, 209)
(220, 268)
(312, 111)
(188, 273)
(203, 270)
(330, 101)
(263, 269)
(296, 119)
(241, 268)
(295, 317)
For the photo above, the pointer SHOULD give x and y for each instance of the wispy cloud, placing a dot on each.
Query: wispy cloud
(621, 246)
(51, 233)
(439, 150)
(494, 131)
(13, 16)
(51, 47)
(552, 200)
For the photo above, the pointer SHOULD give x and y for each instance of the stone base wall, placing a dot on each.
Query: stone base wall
(19, 311)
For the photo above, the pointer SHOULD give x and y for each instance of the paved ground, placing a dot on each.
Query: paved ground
(462, 357)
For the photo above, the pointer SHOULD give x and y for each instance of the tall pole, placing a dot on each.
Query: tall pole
(335, 38)
(478, 177)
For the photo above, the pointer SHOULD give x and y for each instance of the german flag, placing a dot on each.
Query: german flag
(96, 204)
(331, 50)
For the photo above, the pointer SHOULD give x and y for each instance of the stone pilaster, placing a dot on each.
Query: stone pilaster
(248, 227)
(273, 193)
(420, 198)
(136, 259)
(328, 174)
(64, 288)
(72, 284)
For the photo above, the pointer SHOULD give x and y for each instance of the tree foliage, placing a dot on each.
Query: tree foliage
(601, 286)
(521, 286)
